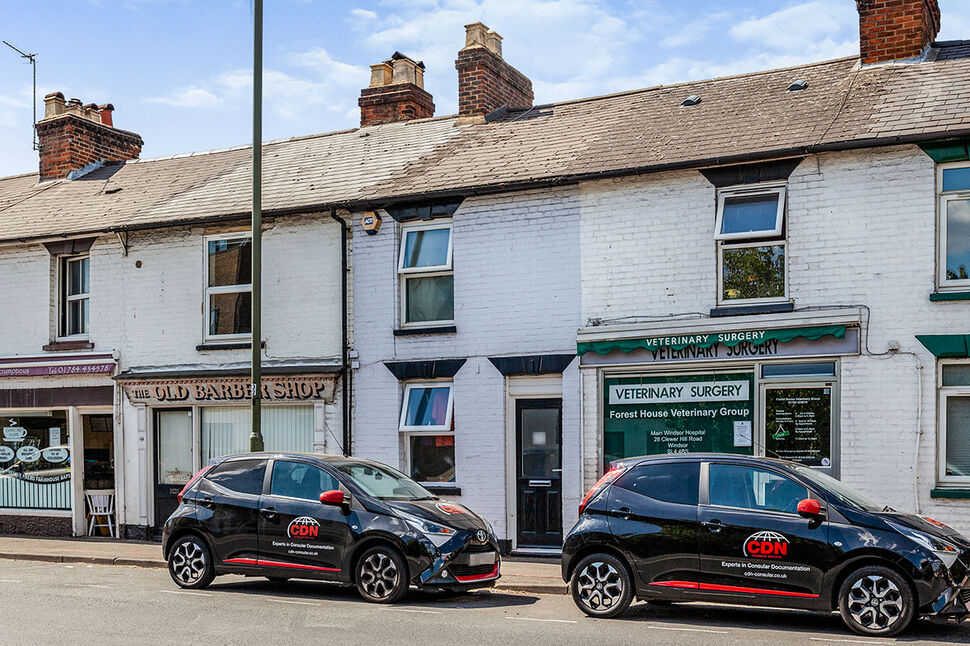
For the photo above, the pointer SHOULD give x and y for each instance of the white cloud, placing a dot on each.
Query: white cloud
(803, 28)
(364, 14)
(189, 97)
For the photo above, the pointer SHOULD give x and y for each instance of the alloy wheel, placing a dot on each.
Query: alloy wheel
(600, 586)
(379, 575)
(875, 602)
(188, 562)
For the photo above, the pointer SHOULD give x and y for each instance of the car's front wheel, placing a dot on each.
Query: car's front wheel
(382, 575)
(190, 563)
(601, 586)
(876, 601)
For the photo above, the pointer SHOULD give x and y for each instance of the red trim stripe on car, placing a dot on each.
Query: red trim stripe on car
(714, 587)
(480, 577)
(295, 566)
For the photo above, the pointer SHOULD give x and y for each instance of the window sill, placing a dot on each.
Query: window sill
(759, 308)
(950, 296)
(443, 489)
(234, 345)
(950, 493)
(68, 346)
(439, 329)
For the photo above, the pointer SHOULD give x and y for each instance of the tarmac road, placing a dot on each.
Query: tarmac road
(56, 603)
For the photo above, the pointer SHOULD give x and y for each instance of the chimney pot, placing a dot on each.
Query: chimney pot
(494, 43)
(53, 105)
(476, 35)
(396, 93)
(380, 75)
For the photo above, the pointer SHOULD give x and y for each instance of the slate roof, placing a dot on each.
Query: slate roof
(739, 118)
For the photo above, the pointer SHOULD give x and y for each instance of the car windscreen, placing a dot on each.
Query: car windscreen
(838, 490)
(383, 482)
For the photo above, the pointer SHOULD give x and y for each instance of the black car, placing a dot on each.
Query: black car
(758, 531)
(298, 515)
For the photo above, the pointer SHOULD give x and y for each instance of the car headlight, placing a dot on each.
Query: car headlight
(437, 534)
(943, 550)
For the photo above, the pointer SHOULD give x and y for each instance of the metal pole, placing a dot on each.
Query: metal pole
(256, 437)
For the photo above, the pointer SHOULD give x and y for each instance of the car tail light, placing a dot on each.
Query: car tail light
(192, 481)
(607, 478)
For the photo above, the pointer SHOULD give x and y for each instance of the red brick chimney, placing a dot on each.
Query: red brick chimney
(485, 81)
(72, 136)
(894, 30)
(396, 92)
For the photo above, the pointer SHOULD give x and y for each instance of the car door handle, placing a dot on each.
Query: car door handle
(268, 513)
(625, 512)
(206, 502)
(713, 526)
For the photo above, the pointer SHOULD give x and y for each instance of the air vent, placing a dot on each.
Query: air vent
(693, 99)
(798, 85)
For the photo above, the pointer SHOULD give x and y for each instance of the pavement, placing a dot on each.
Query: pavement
(538, 576)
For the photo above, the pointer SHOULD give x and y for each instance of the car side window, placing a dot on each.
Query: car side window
(241, 476)
(300, 480)
(669, 482)
(736, 485)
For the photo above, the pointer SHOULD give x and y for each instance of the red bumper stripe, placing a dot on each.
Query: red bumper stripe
(714, 587)
(295, 566)
(480, 577)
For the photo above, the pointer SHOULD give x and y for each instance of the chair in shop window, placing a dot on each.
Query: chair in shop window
(101, 509)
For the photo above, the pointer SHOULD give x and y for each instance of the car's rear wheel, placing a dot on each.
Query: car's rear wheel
(382, 575)
(876, 601)
(601, 586)
(190, 563)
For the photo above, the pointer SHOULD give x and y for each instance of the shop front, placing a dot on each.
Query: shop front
(57, 442)
(726, 387)
(180, 422)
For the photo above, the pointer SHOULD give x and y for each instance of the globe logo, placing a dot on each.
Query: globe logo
(766, 545)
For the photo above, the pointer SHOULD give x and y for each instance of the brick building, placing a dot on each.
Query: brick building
(772, 263)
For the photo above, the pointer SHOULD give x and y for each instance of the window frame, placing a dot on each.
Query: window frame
(944, 198)
(706, 482)
(64, 299)
(781, 190)
(428, 430)
(432, 271)
(271, 470)
(726, 302)
(943, 394)
(222, 289)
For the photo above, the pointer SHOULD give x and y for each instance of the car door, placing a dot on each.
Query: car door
(296, 531)
(752, 540)
(653, 516)
(228, 498)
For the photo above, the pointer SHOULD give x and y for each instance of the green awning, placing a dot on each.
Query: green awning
(706, 340)
(948, 150)
(946, 346)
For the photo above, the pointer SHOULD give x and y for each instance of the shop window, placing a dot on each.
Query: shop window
(228, 291)
(226, 429)
(751, 246)
(743, 487)
(426, 421)
(427, 276)
(798, 423)
(300, 480)
(74, 300)
(954, 444)
(819, 369)
(35, 461)
(954, 244)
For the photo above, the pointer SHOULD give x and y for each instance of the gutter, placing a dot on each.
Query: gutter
(505, 187)
(346, 399)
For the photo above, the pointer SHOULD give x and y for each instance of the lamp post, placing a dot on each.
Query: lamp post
(256, 437)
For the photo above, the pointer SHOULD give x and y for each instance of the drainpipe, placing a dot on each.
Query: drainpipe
(343, 325)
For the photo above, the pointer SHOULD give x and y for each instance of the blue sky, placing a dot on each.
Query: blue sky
(178, 71)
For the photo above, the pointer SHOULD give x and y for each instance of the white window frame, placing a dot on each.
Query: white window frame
(721, 301)
(944, 199)
(404, 273)
(224, 289)
(427, 430)
(64, 300)
(779, 190)
(946, 392)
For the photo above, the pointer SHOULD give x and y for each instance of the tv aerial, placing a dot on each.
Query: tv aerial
(33, 63)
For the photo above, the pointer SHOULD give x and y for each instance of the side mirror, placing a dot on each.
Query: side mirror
(332, 497)
(809, 508)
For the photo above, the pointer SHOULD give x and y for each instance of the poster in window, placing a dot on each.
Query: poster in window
(798, 424)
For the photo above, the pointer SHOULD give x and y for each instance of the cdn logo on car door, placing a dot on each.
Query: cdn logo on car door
(303, 527)
(766, 545)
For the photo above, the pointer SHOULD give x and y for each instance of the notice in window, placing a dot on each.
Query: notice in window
(798, 424)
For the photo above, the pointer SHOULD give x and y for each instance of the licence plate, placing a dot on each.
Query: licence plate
(487, 558)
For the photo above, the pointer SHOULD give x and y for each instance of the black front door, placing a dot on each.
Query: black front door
(174, 460)
(538, 440)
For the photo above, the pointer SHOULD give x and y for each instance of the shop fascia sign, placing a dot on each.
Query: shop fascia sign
(704, 391)
(712, 339)
(191, 391)
(55, 369)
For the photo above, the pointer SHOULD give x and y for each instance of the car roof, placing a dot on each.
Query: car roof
(329, 458)
(701, 457)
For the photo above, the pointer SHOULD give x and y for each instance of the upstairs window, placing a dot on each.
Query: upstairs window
(954, 227)
(427, 277)
(751, 246)
(74, 301)
(228, 291)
